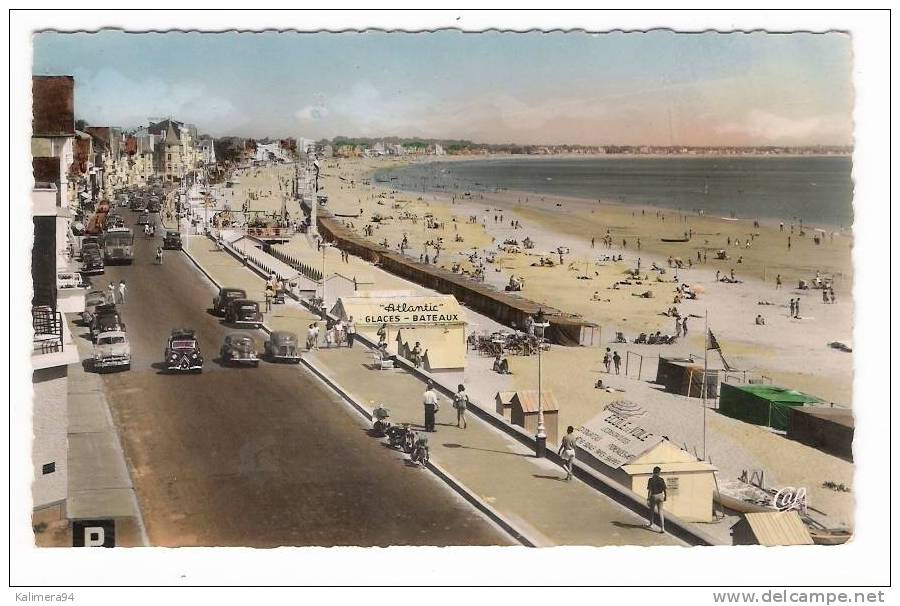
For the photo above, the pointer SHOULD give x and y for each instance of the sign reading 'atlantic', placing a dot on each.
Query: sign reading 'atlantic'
(404, 313)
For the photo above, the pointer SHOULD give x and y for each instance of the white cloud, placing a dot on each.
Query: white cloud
(312, 113)
(764, 126)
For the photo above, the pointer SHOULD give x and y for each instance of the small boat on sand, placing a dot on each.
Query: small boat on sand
(675, 239)
(829, 536)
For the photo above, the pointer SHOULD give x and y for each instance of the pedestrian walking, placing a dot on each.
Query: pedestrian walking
(617, 360)
(122, 290)
(112, 293)
(831, 294)
(792, 308)
(677, 327)
(351, 331)
(430, 402)
(567, 450)
(684, 326)
(825, 295)
(656, 496)
(778, 282)
(270, 294)
(797, 308)
(311, 335)
(382, 335)
(461, 403)
(607, 360)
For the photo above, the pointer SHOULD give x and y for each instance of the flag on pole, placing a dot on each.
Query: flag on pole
(711, 342)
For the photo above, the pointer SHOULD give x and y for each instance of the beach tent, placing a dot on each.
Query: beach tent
(684, 376)
(767, 405)
(827, 428)
(770, 529)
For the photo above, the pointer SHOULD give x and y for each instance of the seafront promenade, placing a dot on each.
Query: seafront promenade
(497, 469)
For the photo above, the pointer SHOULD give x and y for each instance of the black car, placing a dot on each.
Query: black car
(239, 349)
(182, 352)
(243, 312)
(106, 318)
(143, 218)
(92, 263)
(172, 240)
(226, 294)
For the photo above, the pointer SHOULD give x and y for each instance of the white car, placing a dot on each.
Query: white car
(112, 351)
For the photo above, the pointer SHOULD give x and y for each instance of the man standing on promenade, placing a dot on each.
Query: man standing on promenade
(430, 402)
(617, 360)
(122, 290)
(567, 450)
(656, 496)
(460, 403)
(350, 329)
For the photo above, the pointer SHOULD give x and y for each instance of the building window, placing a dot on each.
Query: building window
(48, 468)
(169, 157)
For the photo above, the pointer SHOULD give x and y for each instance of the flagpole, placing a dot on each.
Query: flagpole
(705, 370)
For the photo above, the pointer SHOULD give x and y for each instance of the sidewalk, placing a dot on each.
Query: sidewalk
(497, 469)
(100, 486)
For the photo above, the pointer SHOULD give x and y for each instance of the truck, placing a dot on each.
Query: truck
(118, 246)
(112, 351)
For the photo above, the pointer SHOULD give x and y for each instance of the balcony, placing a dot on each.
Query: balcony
(52, 343)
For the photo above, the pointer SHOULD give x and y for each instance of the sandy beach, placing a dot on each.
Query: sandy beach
(789, 352)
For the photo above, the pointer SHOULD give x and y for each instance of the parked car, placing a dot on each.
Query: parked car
(283, 345)
(243, 312)
(137, 204)
(90, 246)
(91, 301)
(143, 218)
(239, 349)
(172, 240)
(70, 279)
(183, 351)
(226, 294)
(106, 318)
(92, 263)
(112, 351)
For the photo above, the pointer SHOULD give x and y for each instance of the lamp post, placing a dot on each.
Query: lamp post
(540, 325)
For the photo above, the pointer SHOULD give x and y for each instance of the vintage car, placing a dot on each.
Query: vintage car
(106, 318)
(239, 349)
(90, 245)
(283, 345)
(91, 301)
(143, 218)
(112, 351)
(137, 204)
(226, 294)
(70, 279)
(92, 263)
(154, 206)
(243, 312)
(172, 240)
(183, 351)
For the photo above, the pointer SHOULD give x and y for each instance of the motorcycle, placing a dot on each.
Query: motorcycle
(401, 436)
(420, 452)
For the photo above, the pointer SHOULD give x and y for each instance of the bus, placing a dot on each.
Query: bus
(118, 246)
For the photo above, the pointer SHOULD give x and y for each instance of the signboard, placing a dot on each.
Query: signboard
(616, 436)
(404, 313)
(93, 533)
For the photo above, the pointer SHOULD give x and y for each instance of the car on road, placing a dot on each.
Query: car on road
(137, 204)
(239, 349)
(112, 351)
(226, 294)
(172, 240)
(91, 301)
(106, 318)
(243, 312)
(154, 207)
(143, 218)
(182, 352)
(90, 245)
(283, 345)
(92, 263)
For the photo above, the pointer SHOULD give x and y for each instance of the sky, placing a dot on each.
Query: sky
(656, 88)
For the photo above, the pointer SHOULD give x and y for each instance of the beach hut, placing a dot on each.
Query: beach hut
(435, 321)
(503, 401)
(828, 429)
(684, 376)
(771, 529)
(523, 411)
(618, 444)
(767, 405)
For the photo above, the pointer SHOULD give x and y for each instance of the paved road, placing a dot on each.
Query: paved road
(257, 457)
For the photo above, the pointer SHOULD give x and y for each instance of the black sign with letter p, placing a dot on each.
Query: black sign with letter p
(93, 533)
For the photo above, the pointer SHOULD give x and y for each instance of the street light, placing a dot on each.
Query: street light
(540, 325)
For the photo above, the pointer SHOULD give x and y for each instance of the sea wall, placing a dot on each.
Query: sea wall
(511, 310)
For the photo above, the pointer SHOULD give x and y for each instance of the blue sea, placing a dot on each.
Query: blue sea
(816, 189)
